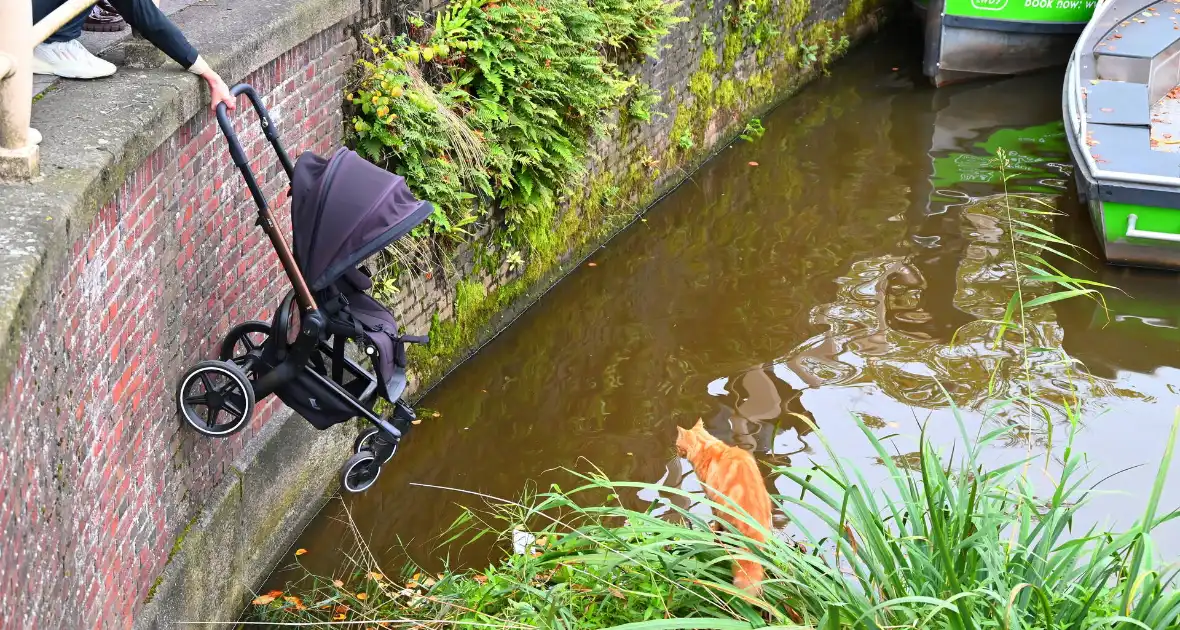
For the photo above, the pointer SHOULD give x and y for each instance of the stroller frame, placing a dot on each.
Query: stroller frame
(233, 384)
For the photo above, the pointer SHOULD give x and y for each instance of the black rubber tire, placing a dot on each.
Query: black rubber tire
(364, 442)
(360, 472)
(236, 384)
(241, 333)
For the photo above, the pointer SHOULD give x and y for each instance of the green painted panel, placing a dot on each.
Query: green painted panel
(1114, 222)
(1066, 11)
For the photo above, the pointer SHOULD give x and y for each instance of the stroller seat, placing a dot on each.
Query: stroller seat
(356, 315)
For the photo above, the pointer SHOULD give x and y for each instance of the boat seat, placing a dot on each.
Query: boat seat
(1144, 48)
(1128, 149)
(1118, 103)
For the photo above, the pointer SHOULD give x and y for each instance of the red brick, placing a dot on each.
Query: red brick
(170, 301)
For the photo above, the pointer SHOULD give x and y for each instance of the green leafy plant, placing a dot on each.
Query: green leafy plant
(708, 37)
(642, 101)
(685, 141)
(753, 130)
(808, 55)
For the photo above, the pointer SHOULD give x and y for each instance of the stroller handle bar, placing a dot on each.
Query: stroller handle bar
(302, 293)
(268, 129)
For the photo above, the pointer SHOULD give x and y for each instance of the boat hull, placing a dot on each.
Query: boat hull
(1135, 220)
(974, 39)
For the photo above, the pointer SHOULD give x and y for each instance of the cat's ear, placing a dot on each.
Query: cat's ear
(699, 427)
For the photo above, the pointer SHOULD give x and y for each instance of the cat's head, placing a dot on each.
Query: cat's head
(690, 441)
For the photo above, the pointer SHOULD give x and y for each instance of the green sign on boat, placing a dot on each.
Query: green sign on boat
(1037, 11)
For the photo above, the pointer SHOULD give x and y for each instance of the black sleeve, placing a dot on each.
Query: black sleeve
(145, 17)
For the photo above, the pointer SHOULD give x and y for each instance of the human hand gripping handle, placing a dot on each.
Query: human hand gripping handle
(219, 92)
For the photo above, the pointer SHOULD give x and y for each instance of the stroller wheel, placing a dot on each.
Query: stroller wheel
(242, 342)
(215, 398)
(359, 472)
(367, 441)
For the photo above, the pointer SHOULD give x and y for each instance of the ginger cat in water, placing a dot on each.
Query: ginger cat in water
(732, 472)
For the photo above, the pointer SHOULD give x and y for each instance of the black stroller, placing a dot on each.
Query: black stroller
(343, 210)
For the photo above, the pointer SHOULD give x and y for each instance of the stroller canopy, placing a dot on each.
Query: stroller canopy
(345, 209)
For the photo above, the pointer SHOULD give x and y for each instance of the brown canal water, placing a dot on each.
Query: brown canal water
(848, 272)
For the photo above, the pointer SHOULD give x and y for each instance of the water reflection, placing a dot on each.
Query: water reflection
(862, 264)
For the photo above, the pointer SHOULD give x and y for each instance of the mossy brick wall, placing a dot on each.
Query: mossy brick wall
(728, 62)
(97, 477)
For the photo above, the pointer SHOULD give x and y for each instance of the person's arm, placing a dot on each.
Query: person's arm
(145, 17)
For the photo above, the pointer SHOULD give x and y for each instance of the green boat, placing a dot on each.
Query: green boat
(1119, 101)
(971, 39)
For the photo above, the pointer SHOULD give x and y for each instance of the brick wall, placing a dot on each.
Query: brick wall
(97, 477)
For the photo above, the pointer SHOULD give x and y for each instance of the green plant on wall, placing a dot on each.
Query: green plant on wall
(641, 103)
(753, 130)
(516, 93)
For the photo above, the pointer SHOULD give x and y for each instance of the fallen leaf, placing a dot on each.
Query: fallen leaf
(617, 593)
(337, 583)
(340, 610)
(482, 579)
(340, 617)
(296, 601)
(300, 551)
(376, 576)
(753, 164)
(362, 596)
(428, 582)
(263, 600)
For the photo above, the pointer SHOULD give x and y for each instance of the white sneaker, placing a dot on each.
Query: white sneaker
(70, 60)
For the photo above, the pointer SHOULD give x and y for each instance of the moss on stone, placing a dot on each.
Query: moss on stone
(709, 60)
(733, 49)
(177, 545)
(701, 84)
(797, 11)
(727, 94)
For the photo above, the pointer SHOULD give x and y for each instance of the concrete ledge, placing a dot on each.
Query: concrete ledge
(251, 520)
(96, 132)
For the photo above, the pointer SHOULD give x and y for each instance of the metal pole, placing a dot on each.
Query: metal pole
(58, 18)
(18, 156)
